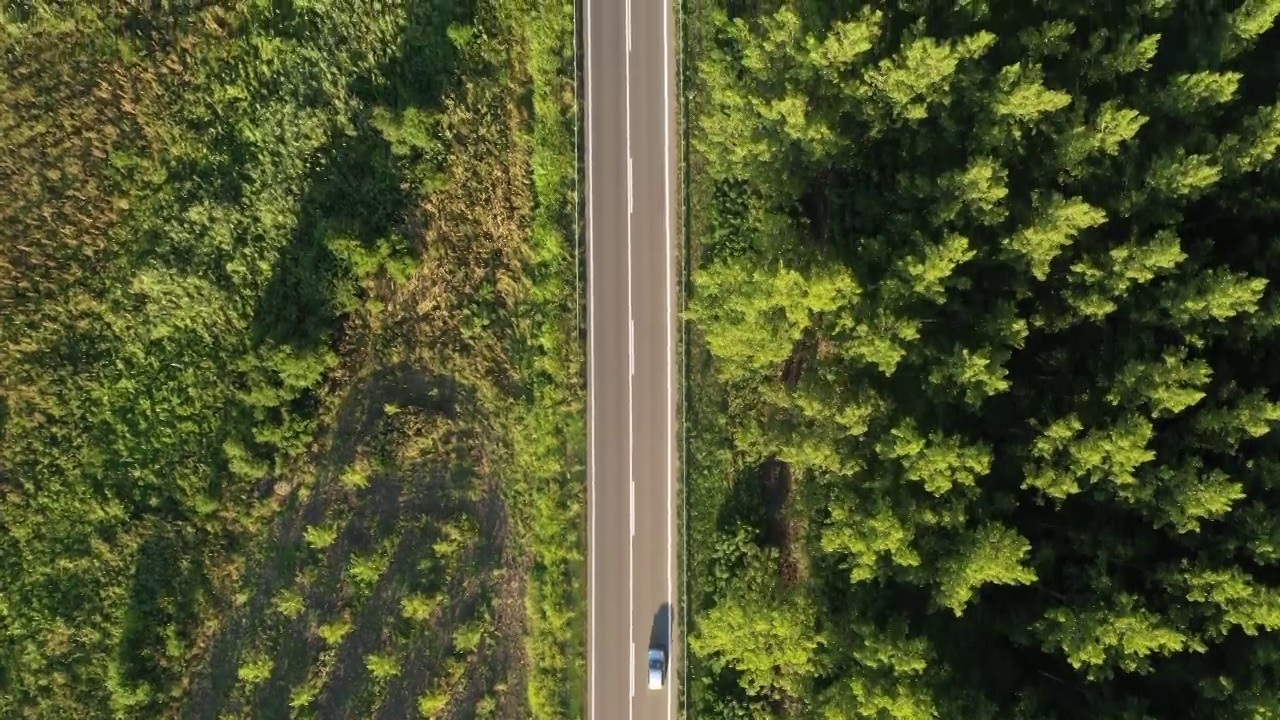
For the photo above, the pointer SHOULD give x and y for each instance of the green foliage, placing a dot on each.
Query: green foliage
(467, 638)
(1215, 295)
(255, 669)
(486, 707)
(419, 135)
(1190, 93)
(917, 78)
(334, 632)
(289, 603)
(431, 704)
(1022, 95)
(1167, 387)
(303, 696)
(1192, 495)
(991, 554)
(937, 462)
(982, 357)
(365, 570)
(1112, 127)
(1120, 635)
(217, 223)
(1098, 283)
(382, 667)
(456, 536)
(1063, 455)
(1253, 18)
(354, 478)
(1055, 223)
(763, 633)
(418, 608)
(889, 679)
(168, 315)
(927, 276)
(320, 537)
(1230, 598)
(754, 327)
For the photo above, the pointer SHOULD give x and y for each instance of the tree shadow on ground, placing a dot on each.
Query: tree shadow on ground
(276, 556)
(356, 191)
(401, 385)
(169, 578)
(467, 594)
(357, 216)
(745, 505)
(357, 188)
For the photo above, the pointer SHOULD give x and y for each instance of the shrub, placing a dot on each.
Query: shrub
(289, 603)
(355, 478)
(430, 704)
(255, 670)
(418, 608)
(382, 667)
(320, 537)
(334, 632)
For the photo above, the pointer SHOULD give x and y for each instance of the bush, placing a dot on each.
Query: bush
(418, 608)
(289, 603)
(320, 537)
(334, 632)
(431, 704)
(255, 670)
(382, 667)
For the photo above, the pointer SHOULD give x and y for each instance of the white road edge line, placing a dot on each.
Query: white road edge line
(631, 545)
(591, 364)
(670, 319)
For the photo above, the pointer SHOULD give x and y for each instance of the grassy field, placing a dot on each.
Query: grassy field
(291, 399)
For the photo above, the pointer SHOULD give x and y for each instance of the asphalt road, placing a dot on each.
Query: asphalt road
(630, 135)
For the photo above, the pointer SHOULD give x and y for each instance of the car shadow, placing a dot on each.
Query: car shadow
(660, 632)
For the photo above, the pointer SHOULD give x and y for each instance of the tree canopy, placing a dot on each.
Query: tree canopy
(995, 281)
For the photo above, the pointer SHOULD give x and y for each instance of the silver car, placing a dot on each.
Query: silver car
(657, 664)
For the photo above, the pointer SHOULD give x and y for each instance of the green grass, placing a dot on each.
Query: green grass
(557, 592)
(298, 368)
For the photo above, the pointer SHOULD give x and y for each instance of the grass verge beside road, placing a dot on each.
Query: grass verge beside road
(556, 601)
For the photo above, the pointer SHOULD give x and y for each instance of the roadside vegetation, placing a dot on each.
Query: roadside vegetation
(290, 391)
(986, 364)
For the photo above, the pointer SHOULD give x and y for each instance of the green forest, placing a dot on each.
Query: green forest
(984, 361)
(291, 380)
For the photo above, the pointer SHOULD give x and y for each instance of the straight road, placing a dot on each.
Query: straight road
(630, 135)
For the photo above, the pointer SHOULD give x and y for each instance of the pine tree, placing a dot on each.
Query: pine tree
(903, 88)
(1122, 635)
(937, 462)
(990, 555)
